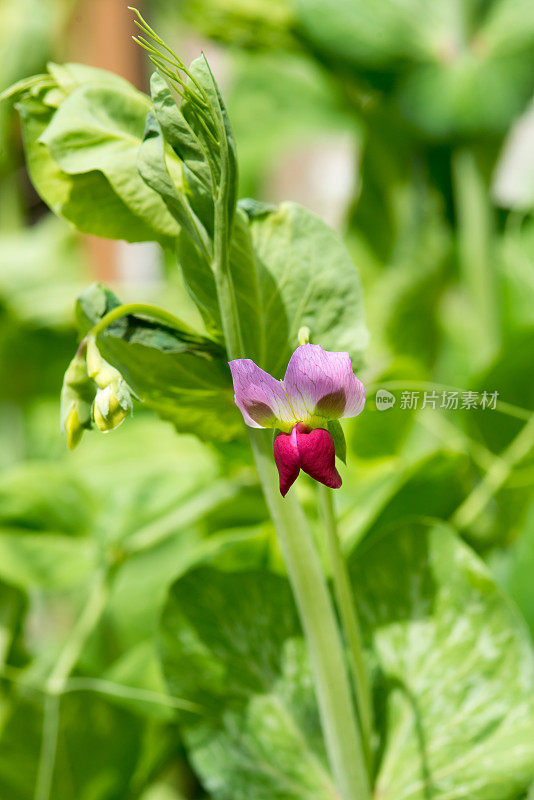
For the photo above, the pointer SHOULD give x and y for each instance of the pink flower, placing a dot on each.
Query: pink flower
(318, 387)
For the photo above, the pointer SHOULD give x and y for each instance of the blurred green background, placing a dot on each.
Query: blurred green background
(408, 126)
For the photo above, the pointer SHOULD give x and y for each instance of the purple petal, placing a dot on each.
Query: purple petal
(320, 382)
(261, 398)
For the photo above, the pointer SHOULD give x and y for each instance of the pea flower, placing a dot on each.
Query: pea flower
(319, 387)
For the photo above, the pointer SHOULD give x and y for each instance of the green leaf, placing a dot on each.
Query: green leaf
(100, 129)
(454, 677)
(456, 670)
(440, 84)
(12, 608)
(304, 276)
(49, 560)
(289, 269)
(220, 150)
(153, 164)
(81, 139)
(181, 137)
(200, 168)
(514, 565)
(181, 376)
(409, 491)
(92, 304)
(232, 643)
(198, 278)
(98, 746)
(43, 497)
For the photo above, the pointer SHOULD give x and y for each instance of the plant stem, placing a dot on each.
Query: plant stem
(145, 309)
(477, 263)
(342, 736)
(83, 627)
(349, 618)
(57, 681)
(495, 477)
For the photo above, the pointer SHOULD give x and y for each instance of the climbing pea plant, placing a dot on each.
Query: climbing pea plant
(397, 670)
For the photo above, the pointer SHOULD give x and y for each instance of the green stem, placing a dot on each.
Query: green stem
(342, 737)
(47, 756)
(349, 618)
(112, 689)
(475, 235)
(57, 682)
(145, 309)
(495, 478)
(230, 322)
(78, 636)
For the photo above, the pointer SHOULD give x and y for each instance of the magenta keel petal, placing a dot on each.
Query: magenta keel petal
(286, 456)
(318, 457)
(310, 450)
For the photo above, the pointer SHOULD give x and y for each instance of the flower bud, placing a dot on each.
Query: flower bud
(73, 426)
(77, 395)
(111, 406)
(97, 368)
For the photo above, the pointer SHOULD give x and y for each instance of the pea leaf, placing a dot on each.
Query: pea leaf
(454, 672)
(181, 138)
(98, 746)
(52, 560)
(304, 276)
(154, 170)
(82, 128)
(198, 131)
(232, 643)
(288, 269)
(456, 665)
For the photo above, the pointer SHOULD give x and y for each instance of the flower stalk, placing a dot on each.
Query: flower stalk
(350, 622)
(342, 736)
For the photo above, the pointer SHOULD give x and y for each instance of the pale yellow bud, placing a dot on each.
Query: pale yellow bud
(111, 406)
(76, 399)
(97, 368)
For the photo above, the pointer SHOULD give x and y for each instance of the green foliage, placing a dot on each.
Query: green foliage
(231, 642)
(82, 129)
(180, 375)
(59, 523)
(98, 749)
(179, 526)
(439, 62)
(259, 24)
(283, 262)
(305, 277)
(439, 631)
